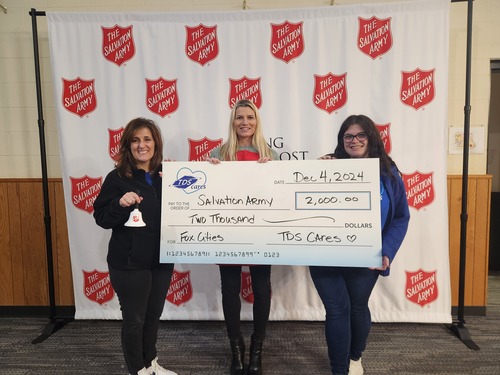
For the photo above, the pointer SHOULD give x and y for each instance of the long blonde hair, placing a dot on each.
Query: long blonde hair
(230, 147)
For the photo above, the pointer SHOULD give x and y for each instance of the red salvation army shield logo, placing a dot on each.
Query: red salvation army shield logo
(246, 287)
(97, 286)
(115, 135)
(84, 191)
(79, 96)
(287, 41)
(161, 96)
(181, 289)
(374, 36)
(385, 135)
(202, 45)
(421, 287)
(417, 87)
(419, 189)
(245, 88)
(118, 44)
(200, 148)
(330, 92)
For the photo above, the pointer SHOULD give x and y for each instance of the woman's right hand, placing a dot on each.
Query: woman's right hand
(327, 157)
(129, 199)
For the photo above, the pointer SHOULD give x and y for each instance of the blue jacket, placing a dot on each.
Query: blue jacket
(395, 229)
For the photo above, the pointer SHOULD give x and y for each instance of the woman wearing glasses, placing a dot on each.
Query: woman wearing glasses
(345, 291)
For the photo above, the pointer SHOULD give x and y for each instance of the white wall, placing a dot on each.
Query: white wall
(20, 151)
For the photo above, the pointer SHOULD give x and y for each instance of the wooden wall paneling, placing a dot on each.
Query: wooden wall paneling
(454, 209)
(16, 244)
(62, 261)
(471, 223)
(478, 216)
(481, 241)
(452, 266)
(23, 257)
(57, 266)
(6, 271)
(33, 244)
(55, 254)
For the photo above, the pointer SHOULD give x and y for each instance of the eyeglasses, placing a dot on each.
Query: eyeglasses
(360, 137)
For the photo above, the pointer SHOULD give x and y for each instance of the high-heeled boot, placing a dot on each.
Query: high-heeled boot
(238, 356)
(255, 365)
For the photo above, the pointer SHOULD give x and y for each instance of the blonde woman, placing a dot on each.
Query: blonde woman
(245, 143)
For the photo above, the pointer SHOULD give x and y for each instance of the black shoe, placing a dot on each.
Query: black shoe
(237, 357)
(255, 365)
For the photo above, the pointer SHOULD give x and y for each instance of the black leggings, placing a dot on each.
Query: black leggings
(142, 297)
(231, 302)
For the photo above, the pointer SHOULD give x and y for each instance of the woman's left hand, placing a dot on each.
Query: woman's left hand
(161, 173)
(386, 263)
(264, 160)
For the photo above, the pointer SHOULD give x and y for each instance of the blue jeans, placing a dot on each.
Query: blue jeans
(345, 292)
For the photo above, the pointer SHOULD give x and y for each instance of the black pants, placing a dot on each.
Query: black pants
(231, 302)
(142, 296)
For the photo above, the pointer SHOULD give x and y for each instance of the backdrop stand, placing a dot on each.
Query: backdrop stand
(55, 323)
(459, 328)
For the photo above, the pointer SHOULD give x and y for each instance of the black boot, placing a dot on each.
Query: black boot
(238, 356)
(255, 365)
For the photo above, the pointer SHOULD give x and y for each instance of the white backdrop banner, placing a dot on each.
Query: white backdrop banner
(306, 70)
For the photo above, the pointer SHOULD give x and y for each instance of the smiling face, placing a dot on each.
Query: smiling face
(143, 148)
(355, 147)
(244, 124)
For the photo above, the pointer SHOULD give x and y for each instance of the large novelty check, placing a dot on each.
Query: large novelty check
(314, 212)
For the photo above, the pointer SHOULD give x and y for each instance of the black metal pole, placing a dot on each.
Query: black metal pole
(54, 323)
(459, 328)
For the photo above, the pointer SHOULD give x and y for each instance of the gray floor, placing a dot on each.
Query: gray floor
(93, 347)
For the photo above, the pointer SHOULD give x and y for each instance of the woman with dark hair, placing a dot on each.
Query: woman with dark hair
(245, 143)
(345, 291)
(139, 279)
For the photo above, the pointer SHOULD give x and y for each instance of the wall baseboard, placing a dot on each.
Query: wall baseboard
(68, 312)
(470, 310)
(62, 312)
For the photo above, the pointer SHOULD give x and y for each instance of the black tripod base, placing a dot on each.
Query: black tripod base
(463, 334)
(52, 327)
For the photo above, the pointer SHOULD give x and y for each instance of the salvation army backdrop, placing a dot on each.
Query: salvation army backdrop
(306, 70)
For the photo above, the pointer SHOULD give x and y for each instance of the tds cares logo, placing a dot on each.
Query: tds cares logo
(190, 181)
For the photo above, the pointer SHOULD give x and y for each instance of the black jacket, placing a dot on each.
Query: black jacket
(130, 247)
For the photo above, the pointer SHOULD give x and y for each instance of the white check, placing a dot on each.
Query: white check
(311, 212)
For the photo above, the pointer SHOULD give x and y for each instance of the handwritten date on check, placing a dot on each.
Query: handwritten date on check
(308, 212)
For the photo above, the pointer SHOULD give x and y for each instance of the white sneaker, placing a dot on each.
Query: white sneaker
(355, 367)
(142, 371)
(156, 369)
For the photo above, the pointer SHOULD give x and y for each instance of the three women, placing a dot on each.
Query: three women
(141, 282)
